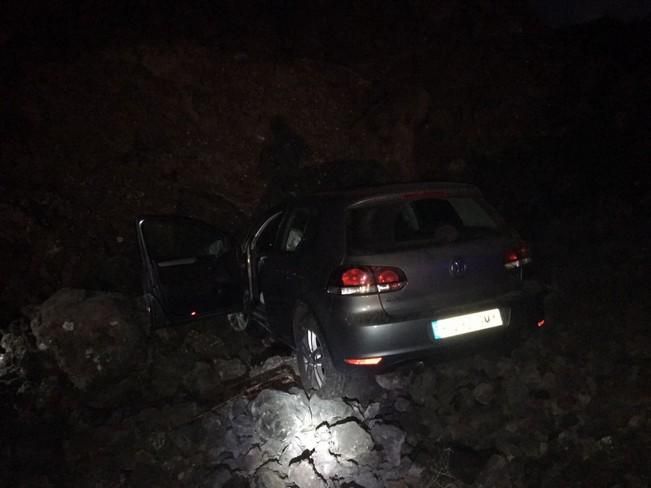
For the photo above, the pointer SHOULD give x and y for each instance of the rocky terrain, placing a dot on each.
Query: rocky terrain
(99, 402)
(111, 111)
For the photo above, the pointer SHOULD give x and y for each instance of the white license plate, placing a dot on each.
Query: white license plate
(463, 324)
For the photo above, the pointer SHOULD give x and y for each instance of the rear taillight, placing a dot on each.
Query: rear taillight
(389, 279)
(517, 256)
(357, 277)
(364, 280)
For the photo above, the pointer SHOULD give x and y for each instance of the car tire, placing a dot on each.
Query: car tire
(315, 366)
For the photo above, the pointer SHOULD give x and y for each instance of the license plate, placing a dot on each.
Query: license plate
(463, 324)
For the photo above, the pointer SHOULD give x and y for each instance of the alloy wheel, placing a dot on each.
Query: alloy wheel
(312, 357)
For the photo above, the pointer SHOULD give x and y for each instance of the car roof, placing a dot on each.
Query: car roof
(363, 194)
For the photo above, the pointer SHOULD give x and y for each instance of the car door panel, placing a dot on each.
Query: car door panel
(282, 277)
(189, 268)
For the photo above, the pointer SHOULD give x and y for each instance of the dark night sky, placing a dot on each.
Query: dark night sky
(567, 12)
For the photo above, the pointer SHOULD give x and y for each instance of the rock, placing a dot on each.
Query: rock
(95, 338)
(396, 380)
(486, 366)
(279, 415)
(530, 375)
(243, 427)
(533, 448)
(461, 463)
(274, 362)
(414, 474)
(422, 386)
(166, 376)
(463, 399)
(368, 478)
(268, 478)
(391, 438)
(293, 452)
(205, 345)
(484, 393)
(350, 441)
(495, 473)
(516, 394)
(328, 411)
(302, 474)
(229, 369)
(549, 381)
(371, 410)
(187, 438)
(356, 406)
(203, 381)
(249, 461)
(402, 405)
(636, 422)
(505, 367)
(324, 461)
(509, 450)
(219, 477)
(13, 349)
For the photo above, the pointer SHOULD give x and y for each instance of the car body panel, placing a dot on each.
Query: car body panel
(430, 282)
(408, 337)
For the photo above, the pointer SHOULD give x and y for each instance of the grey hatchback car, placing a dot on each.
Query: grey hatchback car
(355, 281)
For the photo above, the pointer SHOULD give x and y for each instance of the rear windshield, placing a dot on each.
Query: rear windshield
(398, 224)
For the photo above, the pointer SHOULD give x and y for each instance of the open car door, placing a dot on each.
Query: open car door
(189, 270)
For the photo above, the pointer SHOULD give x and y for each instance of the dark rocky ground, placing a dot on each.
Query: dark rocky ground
(114, 113)
(90, 400)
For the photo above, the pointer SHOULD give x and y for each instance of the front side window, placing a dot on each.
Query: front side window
(297, 229)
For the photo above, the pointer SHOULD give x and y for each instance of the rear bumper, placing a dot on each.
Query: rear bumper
(413, 338)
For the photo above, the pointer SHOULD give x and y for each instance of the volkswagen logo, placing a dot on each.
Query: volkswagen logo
(458, 267)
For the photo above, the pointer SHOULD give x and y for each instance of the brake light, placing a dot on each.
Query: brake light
(389, 279)
(517, 256)
(356, 277)
(364, 280)
(510, 256)
(387, 276)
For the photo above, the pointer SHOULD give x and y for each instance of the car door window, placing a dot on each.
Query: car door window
(170, 240)
(297, 229)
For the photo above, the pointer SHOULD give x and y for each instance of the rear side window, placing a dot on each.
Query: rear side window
(298, 229)
(397, 224)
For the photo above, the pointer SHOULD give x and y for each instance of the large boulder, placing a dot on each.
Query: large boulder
(95, 338)
(279, 415)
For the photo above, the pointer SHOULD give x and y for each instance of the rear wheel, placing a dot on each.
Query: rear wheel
(314, 362)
